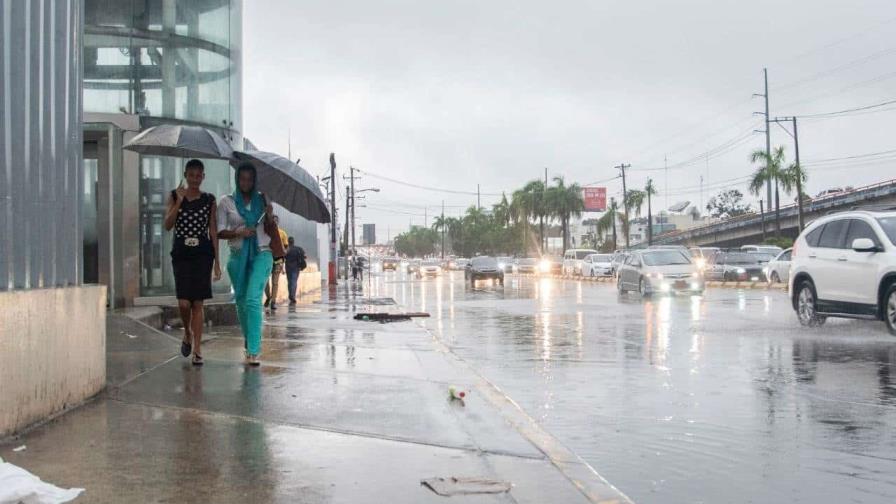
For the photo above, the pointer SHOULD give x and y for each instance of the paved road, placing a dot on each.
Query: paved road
(721, 398)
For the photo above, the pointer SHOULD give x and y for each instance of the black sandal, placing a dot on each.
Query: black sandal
(197, 360)
(185, 348)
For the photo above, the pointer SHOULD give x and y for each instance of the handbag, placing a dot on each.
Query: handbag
(272, 230)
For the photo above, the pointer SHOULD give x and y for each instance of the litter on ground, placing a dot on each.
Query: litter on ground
(20, 486)
(465, 486)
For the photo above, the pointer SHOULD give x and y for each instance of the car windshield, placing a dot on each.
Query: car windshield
(505, 259)
(665, 258)
(580, 254)
(763, 257)
(431, 262)
(739, 258)
(601, 258)
(527, 261)
(889, 226)
(485, 262)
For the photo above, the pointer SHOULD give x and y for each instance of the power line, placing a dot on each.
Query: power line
(847, 111)
(426, 188)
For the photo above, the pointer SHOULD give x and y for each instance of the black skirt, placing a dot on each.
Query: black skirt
(193, 277)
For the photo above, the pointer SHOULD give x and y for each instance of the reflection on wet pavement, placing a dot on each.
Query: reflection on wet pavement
(722, 398)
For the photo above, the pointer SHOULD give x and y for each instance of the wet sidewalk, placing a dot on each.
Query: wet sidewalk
(340, 411)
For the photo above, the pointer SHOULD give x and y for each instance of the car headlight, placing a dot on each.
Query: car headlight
(695, 274)
(658, 276)
(545, 265)
(740, 270)
(700, 262)
(501, 265)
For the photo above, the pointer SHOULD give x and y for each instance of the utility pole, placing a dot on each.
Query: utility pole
(768, 137)
(762, 213)
(331, 269)
(701, 192)
(352, 190)
(544, 236)
(443, 229)
(622, 168)
(666, 166)
(425, 217)
(799, 179)
(478, 205)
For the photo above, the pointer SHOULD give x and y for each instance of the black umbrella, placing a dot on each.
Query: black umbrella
(180, 140)
(286, 183)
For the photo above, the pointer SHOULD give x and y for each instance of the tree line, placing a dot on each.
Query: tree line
(518, 226)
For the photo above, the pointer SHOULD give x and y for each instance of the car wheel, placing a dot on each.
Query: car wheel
(806, 307)
(592, 273)
(890, 309)
(775, 277)
(619, 286)
(643, 288)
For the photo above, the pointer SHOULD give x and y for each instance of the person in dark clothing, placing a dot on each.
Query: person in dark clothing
(295, 263)
(194, 254)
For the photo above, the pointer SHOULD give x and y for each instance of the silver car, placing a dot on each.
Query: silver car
(778, 269)
(651, 271)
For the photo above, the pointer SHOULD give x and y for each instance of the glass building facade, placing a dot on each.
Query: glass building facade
(159, 61)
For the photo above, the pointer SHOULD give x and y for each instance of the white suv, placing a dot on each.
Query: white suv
(844, 265)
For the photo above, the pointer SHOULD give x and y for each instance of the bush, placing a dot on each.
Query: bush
(782, 242)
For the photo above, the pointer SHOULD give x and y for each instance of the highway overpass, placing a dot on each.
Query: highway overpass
(747, 229)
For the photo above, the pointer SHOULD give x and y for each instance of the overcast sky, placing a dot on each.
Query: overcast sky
(454, 93)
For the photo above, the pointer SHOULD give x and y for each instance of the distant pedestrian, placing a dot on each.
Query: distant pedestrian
(357, 268)
(194, 253)
(245, 219)
(295, 263)
(273, 288)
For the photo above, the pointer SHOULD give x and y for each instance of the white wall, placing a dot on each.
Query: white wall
(52, 352)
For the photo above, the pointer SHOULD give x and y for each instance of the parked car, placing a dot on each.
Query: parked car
(768, 249)
(527, 265)
(459, 264)
(484, 268)
(572, 260)
(429, 268)
(505, 264)
(550, 265)
(390, 263)
(650, 271)
(844, 265)
(618, 258)
(413, 266)
(735, 266)
(778, 269)
(597, 265)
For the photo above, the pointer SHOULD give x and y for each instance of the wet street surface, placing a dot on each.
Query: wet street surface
(720, 398)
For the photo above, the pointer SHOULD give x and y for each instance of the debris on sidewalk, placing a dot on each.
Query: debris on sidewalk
(19, 448)
(465, 486)
(18, 485)
(456, 393)
(384, 317)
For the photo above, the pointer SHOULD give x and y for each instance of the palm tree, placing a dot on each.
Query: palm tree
(774, 171)
(632, 200)
(607, 222)
(564, 202)
(795, 178)
(536, 189)
(649, 190)
(440, 224)
(501, 211)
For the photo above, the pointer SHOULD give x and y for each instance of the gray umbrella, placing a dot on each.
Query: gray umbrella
(287, 184)
(180, 140)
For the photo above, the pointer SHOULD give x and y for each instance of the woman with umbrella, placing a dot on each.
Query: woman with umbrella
(242, 217)
(194, 253)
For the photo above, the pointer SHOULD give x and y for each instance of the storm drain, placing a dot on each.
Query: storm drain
(448, 487)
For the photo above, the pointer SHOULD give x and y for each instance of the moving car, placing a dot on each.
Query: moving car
(572, 260)
(484, 268)
(735, 267)
(429, 268)
(413, 266)
(844, 265)
(597, 265)
(650, 271)
(778, 269)
(527, 265)
(618, 258)
(768, 249)
(459, 264)
(505, 263)
(550, 265)
(390, 263)
(701, 255)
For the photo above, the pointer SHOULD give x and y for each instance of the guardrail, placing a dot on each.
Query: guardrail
(826, 203)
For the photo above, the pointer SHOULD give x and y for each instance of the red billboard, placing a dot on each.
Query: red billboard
(595, 199)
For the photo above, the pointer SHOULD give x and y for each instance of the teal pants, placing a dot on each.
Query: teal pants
(247, 295)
